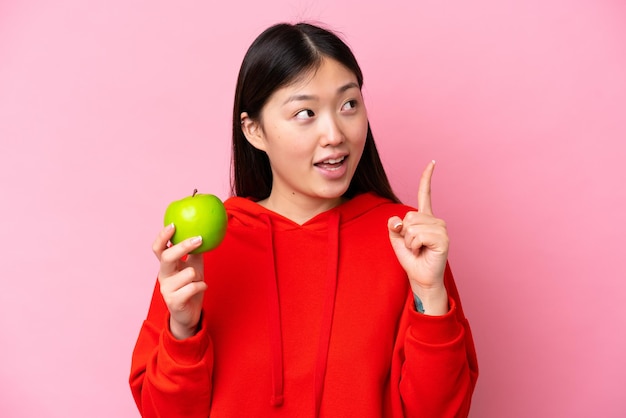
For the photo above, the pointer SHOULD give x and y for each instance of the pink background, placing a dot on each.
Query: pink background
(111, 109)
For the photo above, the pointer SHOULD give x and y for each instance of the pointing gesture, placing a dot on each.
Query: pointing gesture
(421, 243)
(423, 193)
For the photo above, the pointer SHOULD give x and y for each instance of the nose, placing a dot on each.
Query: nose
(331, 132)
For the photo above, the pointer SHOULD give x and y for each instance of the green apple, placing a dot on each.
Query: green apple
(198, 215)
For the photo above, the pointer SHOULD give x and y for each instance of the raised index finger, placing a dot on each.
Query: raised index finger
(423, 194)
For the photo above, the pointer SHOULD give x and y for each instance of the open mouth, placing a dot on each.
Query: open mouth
(331, 164)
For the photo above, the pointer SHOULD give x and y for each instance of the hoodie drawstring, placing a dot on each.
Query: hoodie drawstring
(329, 309)
(276, 333)
(276, 337)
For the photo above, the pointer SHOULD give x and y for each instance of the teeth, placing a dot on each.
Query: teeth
(331, 161)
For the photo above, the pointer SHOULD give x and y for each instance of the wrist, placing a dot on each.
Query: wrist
(181, 332)
(432, 301)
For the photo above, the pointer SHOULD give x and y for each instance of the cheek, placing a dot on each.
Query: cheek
(288, 150)
(360, 134)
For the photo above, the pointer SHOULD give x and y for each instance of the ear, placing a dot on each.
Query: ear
(252, 131)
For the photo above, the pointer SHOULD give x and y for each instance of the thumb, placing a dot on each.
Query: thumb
(394, 224)
(396, 237)
(197, 262)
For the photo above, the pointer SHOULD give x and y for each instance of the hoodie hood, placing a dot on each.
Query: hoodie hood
(248, 213)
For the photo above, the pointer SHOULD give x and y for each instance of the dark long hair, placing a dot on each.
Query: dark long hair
(276, 58)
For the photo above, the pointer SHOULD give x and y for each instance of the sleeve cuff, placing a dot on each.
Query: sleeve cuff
(188, 351)
(435, 330)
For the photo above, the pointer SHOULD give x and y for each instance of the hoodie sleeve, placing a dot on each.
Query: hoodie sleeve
(436, 360)
(170, 377)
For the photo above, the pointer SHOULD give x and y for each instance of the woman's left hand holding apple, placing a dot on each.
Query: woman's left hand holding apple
(181, 280)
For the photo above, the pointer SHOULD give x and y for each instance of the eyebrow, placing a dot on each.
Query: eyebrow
(305, 97)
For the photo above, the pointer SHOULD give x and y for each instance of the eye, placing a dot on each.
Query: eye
(305, 114)
(349, 105)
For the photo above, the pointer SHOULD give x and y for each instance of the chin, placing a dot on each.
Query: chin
(334, 192)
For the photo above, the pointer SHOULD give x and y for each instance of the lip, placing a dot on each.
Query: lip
(333, 173)
(332, 157)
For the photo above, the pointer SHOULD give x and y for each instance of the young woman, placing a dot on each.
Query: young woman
(327, 298)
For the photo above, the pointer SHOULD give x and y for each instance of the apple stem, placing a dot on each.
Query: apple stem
(194, 192)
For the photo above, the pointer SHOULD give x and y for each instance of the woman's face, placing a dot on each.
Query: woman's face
(313, 132)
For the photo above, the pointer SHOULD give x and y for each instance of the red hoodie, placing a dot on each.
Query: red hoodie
(316, 320)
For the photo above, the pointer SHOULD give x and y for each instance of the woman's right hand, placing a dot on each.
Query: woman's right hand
(181, 281)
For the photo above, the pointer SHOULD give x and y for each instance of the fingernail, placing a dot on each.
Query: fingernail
(434, 162)
(170, 226)
(397, 225)
(196, 240)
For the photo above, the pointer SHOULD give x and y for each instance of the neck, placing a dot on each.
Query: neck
(297, 208)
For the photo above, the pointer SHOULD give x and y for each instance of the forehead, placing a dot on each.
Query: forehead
(327, 76)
